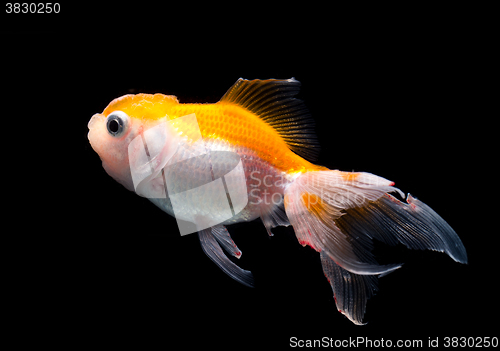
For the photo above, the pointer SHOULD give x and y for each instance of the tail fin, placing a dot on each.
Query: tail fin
(339, 213)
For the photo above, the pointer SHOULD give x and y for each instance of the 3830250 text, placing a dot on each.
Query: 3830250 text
(32, 7)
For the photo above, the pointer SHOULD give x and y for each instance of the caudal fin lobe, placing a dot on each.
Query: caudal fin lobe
(340, 213)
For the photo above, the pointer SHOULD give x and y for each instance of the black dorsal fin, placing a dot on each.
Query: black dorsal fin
(273, 101)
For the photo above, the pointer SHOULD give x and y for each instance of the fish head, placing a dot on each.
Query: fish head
(122, 121)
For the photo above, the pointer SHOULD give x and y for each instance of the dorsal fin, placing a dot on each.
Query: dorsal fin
(273, 101)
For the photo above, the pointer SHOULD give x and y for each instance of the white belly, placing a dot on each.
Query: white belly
(225, 186)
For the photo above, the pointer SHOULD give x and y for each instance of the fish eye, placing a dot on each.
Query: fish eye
(116, 123)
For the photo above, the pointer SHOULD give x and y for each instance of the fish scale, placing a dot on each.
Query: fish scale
(242, 128)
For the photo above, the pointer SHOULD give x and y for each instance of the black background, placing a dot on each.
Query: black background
(91, 259)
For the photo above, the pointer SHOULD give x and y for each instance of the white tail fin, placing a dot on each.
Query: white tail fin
(339, 213)
(316, 199)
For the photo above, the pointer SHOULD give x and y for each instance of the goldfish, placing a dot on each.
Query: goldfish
(251, 155)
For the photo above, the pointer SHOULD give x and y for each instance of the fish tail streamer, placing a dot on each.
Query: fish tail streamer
(340, 213)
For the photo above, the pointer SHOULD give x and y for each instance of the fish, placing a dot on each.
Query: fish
(257, 143)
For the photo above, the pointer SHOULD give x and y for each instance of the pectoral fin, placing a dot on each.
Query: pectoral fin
(222, 235)
(208, 239)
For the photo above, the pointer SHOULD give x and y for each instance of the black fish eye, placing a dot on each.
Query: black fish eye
(116, 123)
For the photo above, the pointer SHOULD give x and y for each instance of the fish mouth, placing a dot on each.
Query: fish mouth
(93, 120)
(92, 123)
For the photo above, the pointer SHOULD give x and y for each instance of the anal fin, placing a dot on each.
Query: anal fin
(351, 291)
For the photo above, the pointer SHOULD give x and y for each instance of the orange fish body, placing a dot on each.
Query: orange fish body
(227, 121)
(260, 127)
